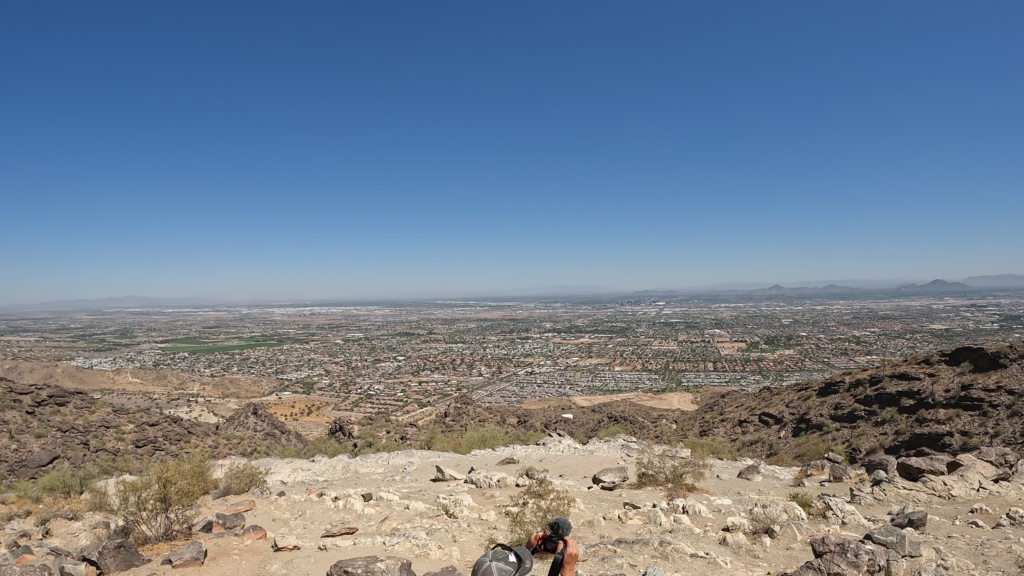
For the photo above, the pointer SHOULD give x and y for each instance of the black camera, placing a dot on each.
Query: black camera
(557, 530)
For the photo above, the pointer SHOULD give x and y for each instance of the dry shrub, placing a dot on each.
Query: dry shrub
(763, 517)
(808, 448)
(241, 479)
(534, 507)
(532, 472)
(663, 467)
(711, 447)
(158, 506)
(15, 511)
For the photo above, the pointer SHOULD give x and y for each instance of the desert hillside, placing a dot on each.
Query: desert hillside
(912, 469)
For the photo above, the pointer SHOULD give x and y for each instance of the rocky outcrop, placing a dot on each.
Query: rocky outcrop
(252, 421)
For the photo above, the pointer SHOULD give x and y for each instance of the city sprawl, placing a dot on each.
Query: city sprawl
(398, 359)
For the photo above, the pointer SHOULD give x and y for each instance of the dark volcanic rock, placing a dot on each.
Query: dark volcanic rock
(234, 521)
(191, 555)
(113, 556)
(372, 566)
(33, 465)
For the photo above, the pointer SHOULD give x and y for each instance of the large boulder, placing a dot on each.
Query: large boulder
(1017, 472)
(896, 540)
(914, 468)
(882, 462)
(845, 474)
(612, 475)
(372, 566)
(191, 555)
(916, 519)
(752, 473)
(835, 556)
(447, 475)
(838, 511)
(980, 467)
(997, 456)
(229, 522)
(482, 479)
(113, 556)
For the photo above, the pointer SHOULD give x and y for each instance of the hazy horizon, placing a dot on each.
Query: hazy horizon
(335, 151)
(539, 291)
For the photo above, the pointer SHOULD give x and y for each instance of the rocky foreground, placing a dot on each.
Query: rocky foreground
(420, 512)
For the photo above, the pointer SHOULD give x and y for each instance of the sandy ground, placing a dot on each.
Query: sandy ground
(404, 518)
(668, 401)
(133, 379)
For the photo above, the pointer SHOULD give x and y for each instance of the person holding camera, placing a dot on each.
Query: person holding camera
(504, 560)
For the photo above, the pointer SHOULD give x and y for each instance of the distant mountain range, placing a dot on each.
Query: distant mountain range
(998, 281)
(805, 288)
(830, 288)
(935, 286)
(115, 302)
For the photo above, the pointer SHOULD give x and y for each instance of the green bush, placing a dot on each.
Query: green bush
(40, 433)
(158, 506)
(63, 482)
(802, 500)
(27, 491)
(483, 438)
(613, 430)
(327, 446)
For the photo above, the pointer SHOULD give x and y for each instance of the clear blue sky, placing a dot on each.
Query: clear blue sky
(349, 149)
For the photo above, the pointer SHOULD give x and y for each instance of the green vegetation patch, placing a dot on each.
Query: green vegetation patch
(215, 348)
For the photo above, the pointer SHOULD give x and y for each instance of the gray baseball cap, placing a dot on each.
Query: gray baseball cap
(504, 561)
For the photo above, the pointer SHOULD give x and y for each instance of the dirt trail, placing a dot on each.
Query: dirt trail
(667, 401)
